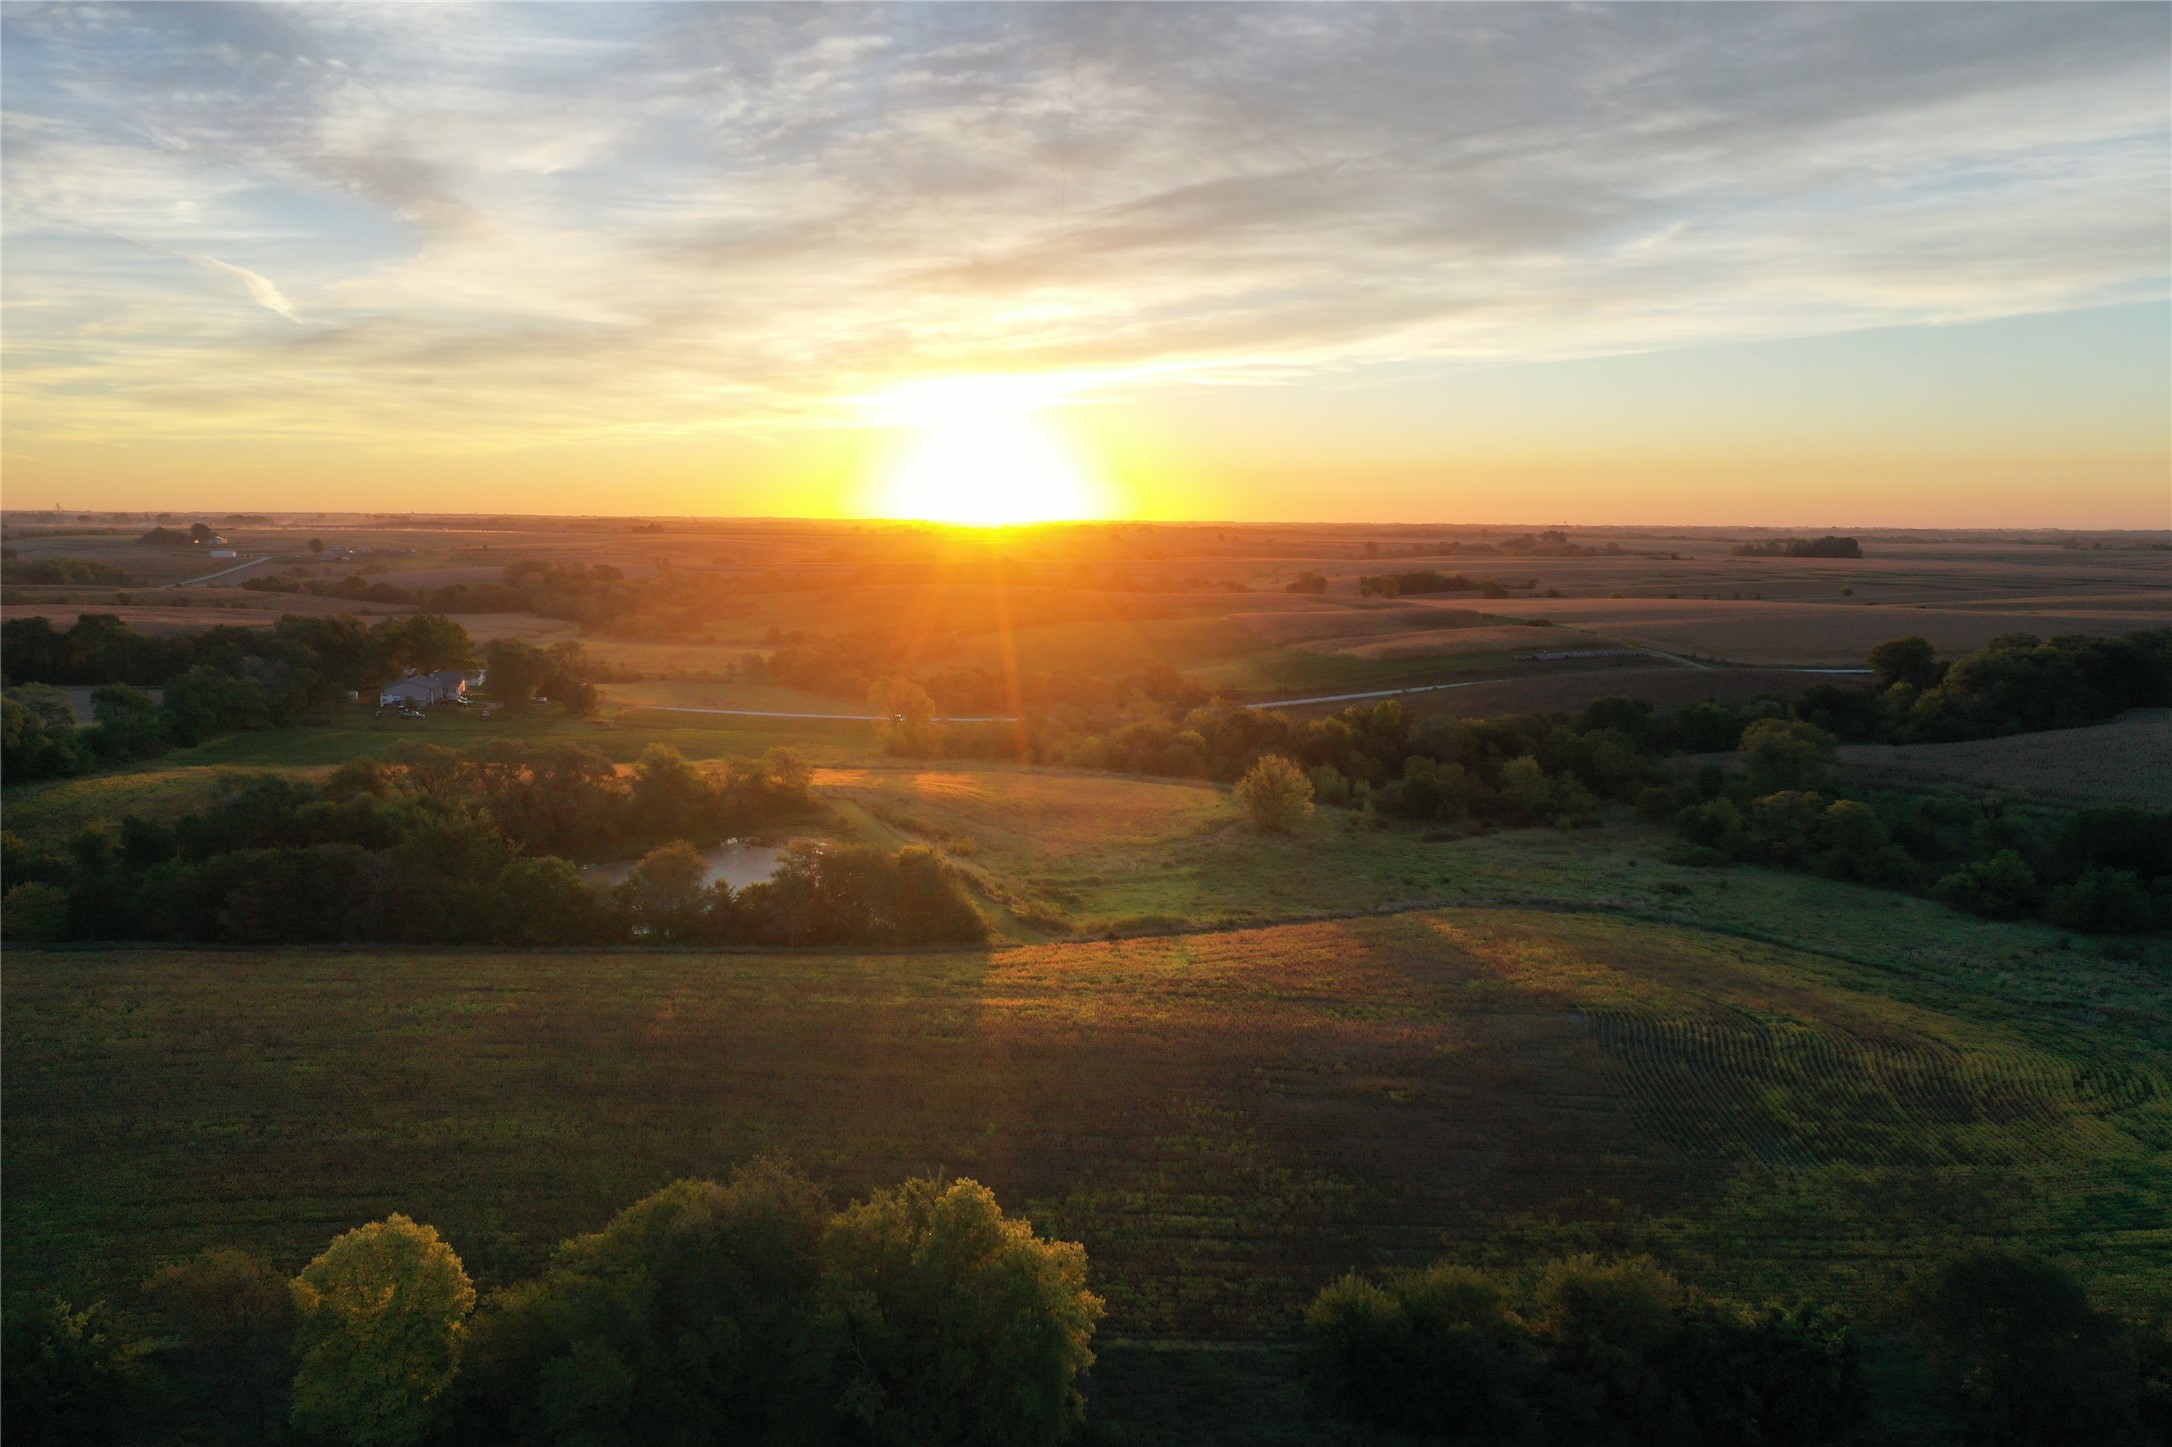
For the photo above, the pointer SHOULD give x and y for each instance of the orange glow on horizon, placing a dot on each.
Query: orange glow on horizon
(981, 458)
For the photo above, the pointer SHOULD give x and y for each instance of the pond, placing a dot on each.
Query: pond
(733, 862)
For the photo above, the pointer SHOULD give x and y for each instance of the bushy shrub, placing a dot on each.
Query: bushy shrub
(1275, 794)
(2001, 887)
(2104, 901)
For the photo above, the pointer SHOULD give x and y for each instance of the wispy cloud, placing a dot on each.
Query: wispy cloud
(517, 223)
(261, 291)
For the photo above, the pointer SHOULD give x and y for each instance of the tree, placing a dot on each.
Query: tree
(34, 913)
(130, 724)
(517, 669)
(2001, 887)
(38, 736)
(1785, 827)
(232, 1317)
(1785, 753)
(904, 717)
(668, 891)
(424, 641)
(68, 1374)
(544, 901)
(1438, 1352)
(1275, 793)
(2019, 1346)
(695, 1317)
(1861, 848)
(961, 1326)
(380, 1316)
(316, 545)
(669, 797)
(2103, 901)
(1909, 660)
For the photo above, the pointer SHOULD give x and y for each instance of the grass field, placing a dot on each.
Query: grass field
(1226, 1119)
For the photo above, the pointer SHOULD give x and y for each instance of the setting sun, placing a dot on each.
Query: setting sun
(980, 457)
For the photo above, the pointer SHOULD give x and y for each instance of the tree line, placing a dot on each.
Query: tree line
(741, 1312)
(668, 603)
(1428, 580)
(1828, 546)
(67, 572)
(2096, 871)
(1585, 1352)
(226, 679)
(2104, 871)
(750, 1311)
(429, 846)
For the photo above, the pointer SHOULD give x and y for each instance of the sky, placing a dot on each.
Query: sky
(1899, 265)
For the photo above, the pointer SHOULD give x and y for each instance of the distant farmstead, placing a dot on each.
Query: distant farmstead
(426, 690)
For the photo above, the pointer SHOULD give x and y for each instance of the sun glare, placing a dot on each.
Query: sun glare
(981, 458)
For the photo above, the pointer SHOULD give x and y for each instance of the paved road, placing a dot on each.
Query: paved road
(192, 582)
(1475, 682)
(1268, 703)
(835, 717)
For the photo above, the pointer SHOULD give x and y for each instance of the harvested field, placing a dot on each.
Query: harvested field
(1347, 621)
(151, 620)
(527, 627)
(2127, 761)
(1441, 643)
(1815, 634)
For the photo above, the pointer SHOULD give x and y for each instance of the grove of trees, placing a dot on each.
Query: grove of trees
(741, 1312)
(430, 846)
(1618, 1353)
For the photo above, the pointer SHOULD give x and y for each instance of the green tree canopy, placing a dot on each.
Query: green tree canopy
(962, 1327)
(1785, 753)
(693, 1318)
(380, 1316)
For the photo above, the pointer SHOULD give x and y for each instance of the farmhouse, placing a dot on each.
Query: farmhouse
(422, 690)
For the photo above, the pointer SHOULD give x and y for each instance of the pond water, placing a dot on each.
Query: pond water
(737, 864)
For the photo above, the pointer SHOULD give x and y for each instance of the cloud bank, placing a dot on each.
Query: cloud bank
(502, 225)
